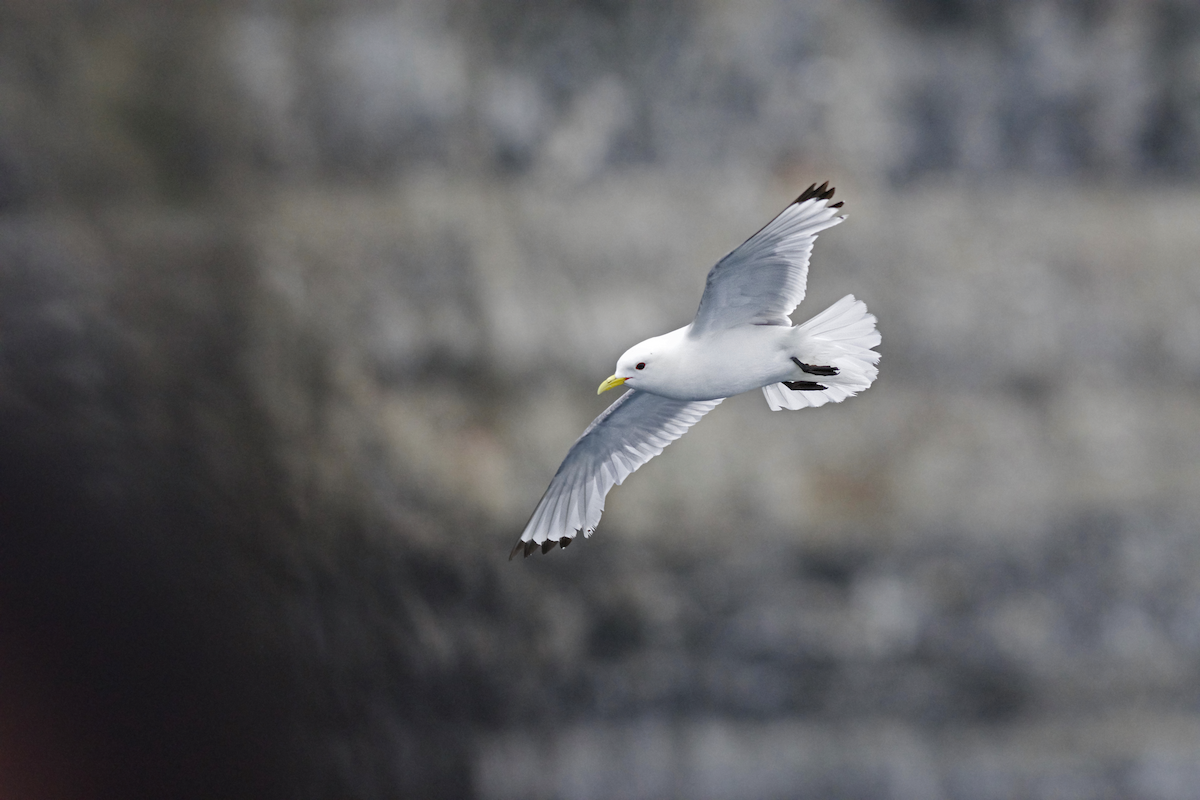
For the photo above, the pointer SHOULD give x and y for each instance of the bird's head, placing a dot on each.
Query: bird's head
(634, 366)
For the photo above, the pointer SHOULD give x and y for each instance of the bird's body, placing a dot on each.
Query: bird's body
(726, 363)
(741, 339)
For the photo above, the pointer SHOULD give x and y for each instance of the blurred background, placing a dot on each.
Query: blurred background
(302, 303)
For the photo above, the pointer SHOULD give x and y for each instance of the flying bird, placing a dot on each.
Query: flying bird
(741, 339)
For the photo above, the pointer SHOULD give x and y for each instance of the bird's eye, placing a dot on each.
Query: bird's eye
(641, 365)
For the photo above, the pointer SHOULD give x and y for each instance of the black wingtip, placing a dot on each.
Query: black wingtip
(814, 192)
(530, 547)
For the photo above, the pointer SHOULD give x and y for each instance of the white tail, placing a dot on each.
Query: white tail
(840, 336)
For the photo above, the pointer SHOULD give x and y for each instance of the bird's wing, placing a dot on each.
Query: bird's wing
(763, 280)
(629, 433)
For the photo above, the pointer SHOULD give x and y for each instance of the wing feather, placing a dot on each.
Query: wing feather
(762, 281)
(629, 433)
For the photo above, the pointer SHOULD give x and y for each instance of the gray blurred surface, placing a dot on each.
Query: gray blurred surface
(330, 288)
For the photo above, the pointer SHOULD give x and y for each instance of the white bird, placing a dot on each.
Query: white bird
(741, 339)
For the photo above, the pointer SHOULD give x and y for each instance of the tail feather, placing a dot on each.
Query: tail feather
(840, 336)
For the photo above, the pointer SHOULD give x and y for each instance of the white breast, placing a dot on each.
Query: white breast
(725, 363)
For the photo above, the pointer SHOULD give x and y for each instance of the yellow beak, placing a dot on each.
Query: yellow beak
(610, 383)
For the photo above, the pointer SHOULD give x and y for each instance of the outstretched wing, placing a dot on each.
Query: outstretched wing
(629, 433)
(763, 281)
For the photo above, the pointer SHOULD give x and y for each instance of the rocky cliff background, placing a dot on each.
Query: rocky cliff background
(301, 304)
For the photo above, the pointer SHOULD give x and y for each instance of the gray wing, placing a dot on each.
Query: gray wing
(763, 280)
(629, 433)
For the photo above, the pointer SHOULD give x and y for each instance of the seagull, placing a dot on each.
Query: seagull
(741, 339)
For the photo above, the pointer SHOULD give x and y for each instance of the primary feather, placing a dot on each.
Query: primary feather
(629, 433)
(762, 281)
